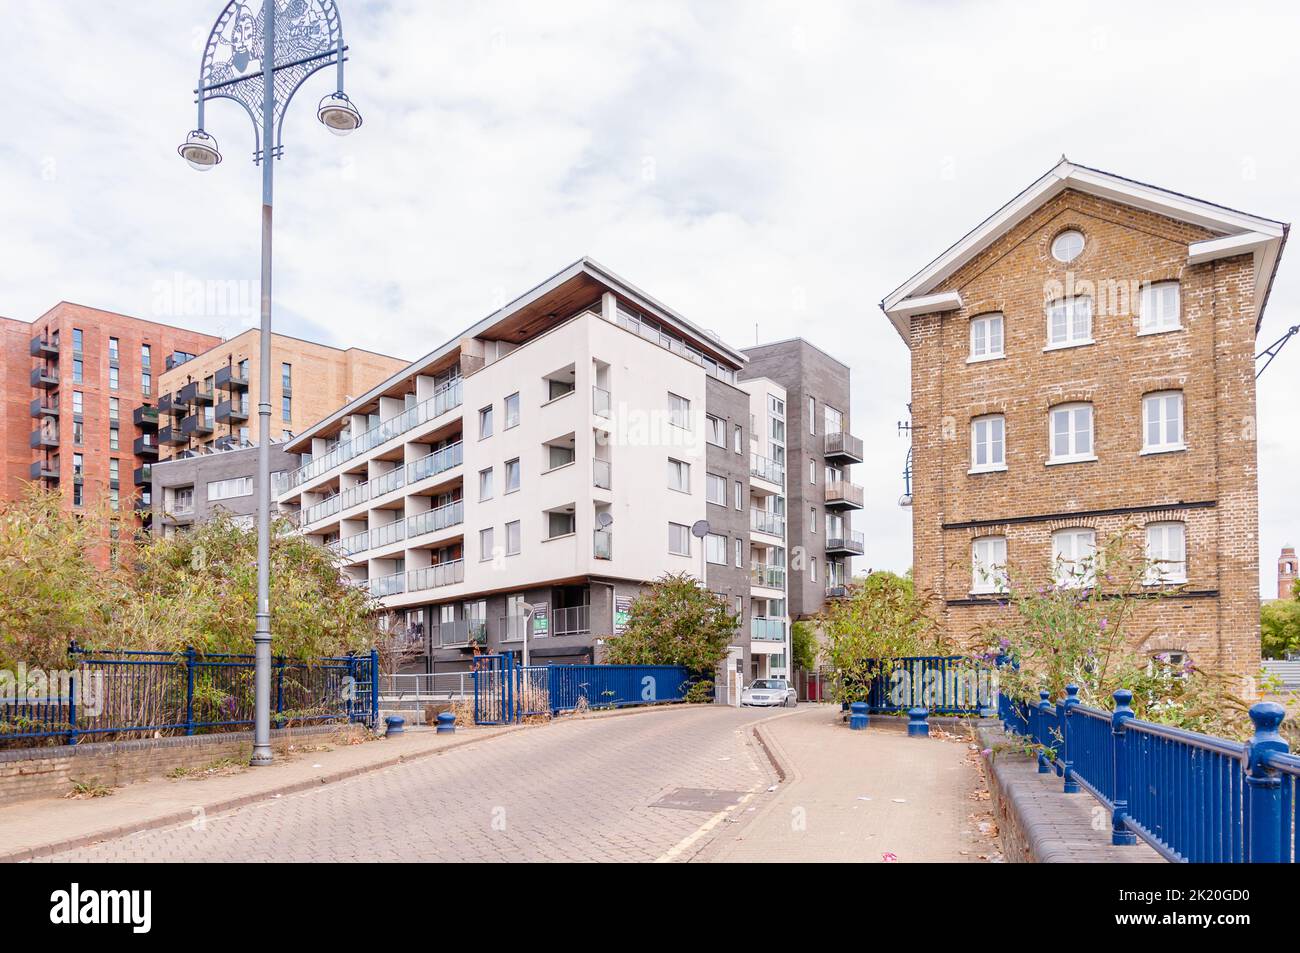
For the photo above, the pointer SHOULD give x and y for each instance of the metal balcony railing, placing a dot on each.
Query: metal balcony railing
(387, 534)
(841, 493)
(432, 577)
(351, 545)
(761, 521)
(846, 542)
(440, 461)
(394, 479)
(844, 446)
(391, 585)
(439, 518)
(462, 632)
(766, 469)
(326, 507)
(575, 620)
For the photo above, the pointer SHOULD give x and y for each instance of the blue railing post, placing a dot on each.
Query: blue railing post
(1067, 765)
(72, 693)
(1044, 705)
(1267, 828)
(189, 689)
(374, 688)
(352, 687)
(1120, 835)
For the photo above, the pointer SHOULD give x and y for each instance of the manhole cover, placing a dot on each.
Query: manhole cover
(699, 799)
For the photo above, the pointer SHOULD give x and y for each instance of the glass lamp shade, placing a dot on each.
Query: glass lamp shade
(200, 150)
(338, 115)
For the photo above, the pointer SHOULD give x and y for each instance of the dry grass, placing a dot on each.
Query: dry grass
(83, 790)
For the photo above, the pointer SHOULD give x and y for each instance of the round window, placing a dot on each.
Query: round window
(1067, 246)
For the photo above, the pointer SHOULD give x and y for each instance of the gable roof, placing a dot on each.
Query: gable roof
(1237, 233)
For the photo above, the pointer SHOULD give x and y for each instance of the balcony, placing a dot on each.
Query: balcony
(837, 591)
(146, 446)
(386, 535)
(766, 469)
(602, 474)
(45, 378)
(513, 628)
(768, 577)
(843, 448)
(846, 544)
(196, 425)
(45, 407)
(194, 393)
(600, 402)
(462, 633)
(231, 378)
(232, 412)
(602, 544)
(168, 405)
(439, 518)
(766, 630)
(761, 521)
(143, 475)
(145, 417)
(45, 470)
(319, 511)
(171, 436)
(143, 503)
(175, 360)
(843, 495)
(380, 586)
(44, 437)
(440, 461)
(47, 348)
(574, 620)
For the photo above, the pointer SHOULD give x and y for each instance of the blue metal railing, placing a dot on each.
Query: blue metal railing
(506, 692)
(1194, 798)
(945, 684)
(107, 693)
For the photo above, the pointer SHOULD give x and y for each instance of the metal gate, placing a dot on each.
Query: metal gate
(494, 685)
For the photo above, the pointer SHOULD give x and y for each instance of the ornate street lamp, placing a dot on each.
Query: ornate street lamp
(304, 36)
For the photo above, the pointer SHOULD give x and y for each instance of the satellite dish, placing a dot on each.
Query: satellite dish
(700, 529)
(604, 520)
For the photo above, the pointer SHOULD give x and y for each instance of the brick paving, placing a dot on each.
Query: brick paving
(571, 791)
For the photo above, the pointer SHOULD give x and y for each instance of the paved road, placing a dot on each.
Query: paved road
(577, 790)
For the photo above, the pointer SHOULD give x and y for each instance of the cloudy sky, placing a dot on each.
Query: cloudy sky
(767, 168)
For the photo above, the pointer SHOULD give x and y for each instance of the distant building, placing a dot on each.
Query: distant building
(187, 490)
(1286, 573)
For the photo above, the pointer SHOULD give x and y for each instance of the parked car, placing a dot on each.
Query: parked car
(770, 692)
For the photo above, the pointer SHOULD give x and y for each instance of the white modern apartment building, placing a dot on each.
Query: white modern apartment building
(555, 456)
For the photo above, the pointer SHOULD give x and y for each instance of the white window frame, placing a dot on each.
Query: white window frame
(1167, 563)
(1156, 302)
(715, 430)
(679, 411)
(985, 324)
(988, 433)
(740, 496)
(988, 571)
(1073, 454)
(679, 472)
(1083, 243)
(683, 535)
(509, 424)
(514, 536)
(486, 543)
(715, 549)
(740, 553)
(488, 482)
(711, 482)
(1073, 337)
(1160, 403)
(812, 416)
(485, 416)
(519, 476)
(1074, 555)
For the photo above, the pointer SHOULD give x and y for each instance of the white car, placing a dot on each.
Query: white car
(768, 692)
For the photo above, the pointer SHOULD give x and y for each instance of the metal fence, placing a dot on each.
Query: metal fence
(505, 692)
(1193, 797)
(124, 693)
(945, 684)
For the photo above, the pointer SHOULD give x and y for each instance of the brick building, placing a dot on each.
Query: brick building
(1083, 364)
(210, 400)
(1286, 573)
(78, 385)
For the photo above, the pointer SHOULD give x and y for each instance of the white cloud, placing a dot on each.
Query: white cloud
(750, 162)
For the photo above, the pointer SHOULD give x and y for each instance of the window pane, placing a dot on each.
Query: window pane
(995, 334)
(977, 345)
(1083, 430)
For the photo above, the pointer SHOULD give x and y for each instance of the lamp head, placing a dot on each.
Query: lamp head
(338, 114)
(200, 150)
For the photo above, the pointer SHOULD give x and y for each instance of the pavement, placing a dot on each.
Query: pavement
(680, 784)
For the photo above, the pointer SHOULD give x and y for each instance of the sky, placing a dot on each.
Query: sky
(766, 168)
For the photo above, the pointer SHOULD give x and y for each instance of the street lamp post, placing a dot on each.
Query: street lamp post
(302, 38)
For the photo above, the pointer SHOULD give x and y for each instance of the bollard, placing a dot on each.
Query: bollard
(446, 722)
(396, 725)
(1267, 826)
(858, 720)
(917, 726)
(1044, 766)
(1120, 835)
(1067, 765)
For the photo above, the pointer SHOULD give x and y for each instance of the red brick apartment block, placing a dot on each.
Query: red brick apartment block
(1286, 573)
(1083, 364)
(79, 385)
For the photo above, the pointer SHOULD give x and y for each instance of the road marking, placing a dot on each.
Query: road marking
(676, 850)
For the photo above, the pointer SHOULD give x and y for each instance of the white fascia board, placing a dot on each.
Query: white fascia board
(901, 314)
(1216, 248)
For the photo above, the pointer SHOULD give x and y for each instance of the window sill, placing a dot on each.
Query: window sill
(987, 592)
(984, 358)
(1153, 451)
(997, 469)
(1067, 345)
(1152, 331)
(674, 489)
(1062, 461)
(1164, 583)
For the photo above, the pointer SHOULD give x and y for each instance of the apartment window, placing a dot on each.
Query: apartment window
(812, 416)
(78, 341)
(485, 484)
(286, 408)
(78, 371)
(715, 549)
(988, 564)
(1073, 554)
(230, 489)
(777, 428)
(812, 569)
(512, 475)
(715, 489)
(1163, 414)
(812, 520)
(1166, 553)
(679, 411)
(715, 430)
(513, 538)
(740, 553)
(1159, 308)
(286, 377)
(146, 356)
(679, 475)
(812, 472)
(114, 470)
(987, 443)
(78, 495)
(679, 539)
(1071, 433)
(146, 384)
(114, 438)
(834, 419)
(112, 378)
(78, 465)
(1068, 245)
(78, 433)
(1069, 322)
(183, 504)
(740, 495)
(78, 403)
(738, 439)
(114, 408)
(114, 499)
(776, 406)
(986, 337)
(560, 524)
(512, 411)
(113, 355)
(485, 422)
(486, 544)
(560, 454)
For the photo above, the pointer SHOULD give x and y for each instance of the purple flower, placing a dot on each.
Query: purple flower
(1103, 624)
(986, 752)
(1005, 643)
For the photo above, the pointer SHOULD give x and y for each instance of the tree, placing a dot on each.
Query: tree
(803, 645)
(1279, 627)
(675, 622)
(881, 619)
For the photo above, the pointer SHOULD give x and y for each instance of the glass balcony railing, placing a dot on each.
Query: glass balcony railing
(766, 469)
(770, 577)
(440, 461)
(387, 482)
(761, 521)
(600, 402)
(603, 544)
(766, 630)
(387, 534)
(602, 474)
(439, 518)
(432, 577)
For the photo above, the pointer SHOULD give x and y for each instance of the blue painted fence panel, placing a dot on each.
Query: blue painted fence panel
(615, 686)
